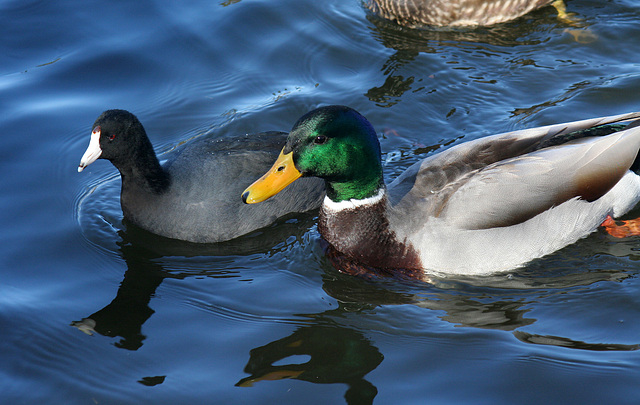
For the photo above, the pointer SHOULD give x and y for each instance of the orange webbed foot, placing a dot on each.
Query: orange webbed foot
(621, 229)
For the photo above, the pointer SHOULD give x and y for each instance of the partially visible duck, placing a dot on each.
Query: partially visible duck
(194, 195)
(455, 13)
(481, 207)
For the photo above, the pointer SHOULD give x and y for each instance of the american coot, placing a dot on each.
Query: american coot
(195, 195)
(456, 12)
(483, 206)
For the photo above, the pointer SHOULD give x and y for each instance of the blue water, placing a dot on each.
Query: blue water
(265, 319)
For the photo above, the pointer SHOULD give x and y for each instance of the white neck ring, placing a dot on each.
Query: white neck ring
(353, 203)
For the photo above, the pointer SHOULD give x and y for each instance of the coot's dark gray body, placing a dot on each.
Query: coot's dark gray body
(196, 195)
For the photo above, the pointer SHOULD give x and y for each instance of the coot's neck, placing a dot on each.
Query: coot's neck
(142, 170)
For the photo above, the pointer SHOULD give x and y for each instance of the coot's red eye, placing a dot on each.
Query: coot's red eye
(112, 137)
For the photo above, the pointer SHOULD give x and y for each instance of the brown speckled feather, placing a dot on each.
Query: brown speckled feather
(453, 12)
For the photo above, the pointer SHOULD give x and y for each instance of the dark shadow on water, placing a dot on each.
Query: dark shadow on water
(460, 304)
(325, 349)
(340, 354)
(143, 254)
(337, 355)
(558, 341)
(124, 316)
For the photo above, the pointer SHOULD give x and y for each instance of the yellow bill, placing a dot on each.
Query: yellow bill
(282, 173)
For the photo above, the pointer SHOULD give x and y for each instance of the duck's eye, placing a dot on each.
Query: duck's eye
(112, 137)
(320, 139)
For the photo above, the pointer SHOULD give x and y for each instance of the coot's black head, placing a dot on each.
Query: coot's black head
(119, 137)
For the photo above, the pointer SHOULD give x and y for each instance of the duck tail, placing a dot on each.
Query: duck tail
(611, 128)
(606, 126)
(635, 167)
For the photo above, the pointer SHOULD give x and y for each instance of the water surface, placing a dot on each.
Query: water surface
(265, 318)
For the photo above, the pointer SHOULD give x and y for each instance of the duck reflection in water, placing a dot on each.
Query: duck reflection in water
(334, 351)
(143, 251)
(129, 310)
(337, 355)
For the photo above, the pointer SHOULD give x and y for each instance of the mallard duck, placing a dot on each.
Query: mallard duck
(193, 196)
(455, 12)
(480, 207)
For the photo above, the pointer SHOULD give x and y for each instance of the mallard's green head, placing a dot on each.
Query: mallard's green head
(335, 143)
